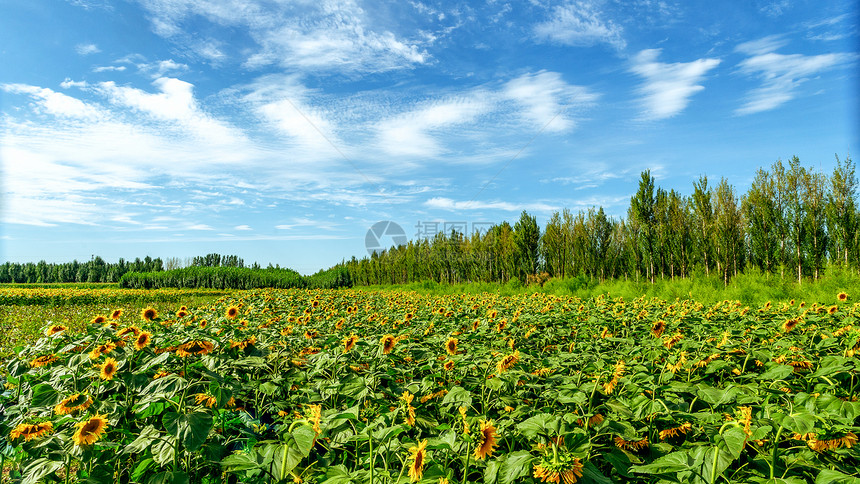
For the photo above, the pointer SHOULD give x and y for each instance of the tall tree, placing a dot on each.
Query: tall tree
(642, 208)
(842, 211)
(527, 239)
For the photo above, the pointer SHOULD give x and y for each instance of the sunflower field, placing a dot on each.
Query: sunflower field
(351, 386)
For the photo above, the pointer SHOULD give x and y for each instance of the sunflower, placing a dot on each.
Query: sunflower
(462, 411)
(231, 312)
(131, 330)
(558, 472)
(43, 361)
(74, 403)
(116, 314)
(418, 457)
(842, 296)
(631, 445)
(181, 314)
(832, 310)
(143, 339)
(508, 361)
(349, 343)
(90, 430)
(451, 346)
(675, 431)
(149, 314)
(195, 347)
(54, 329)
(108, 369)
(314, 416)
(410, 410)
(102, 349)
(658, 327)
(487, 440)
(388, 341)
(789, 324)
(205, 399)
(31, 431)
(449, 365)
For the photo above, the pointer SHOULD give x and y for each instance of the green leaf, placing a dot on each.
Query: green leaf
(675, 462)
(591, 474)
(516, 465)
(284, 458)
(337, 475)
(542, 423)
(269, 388)
(239, 462)
(141, 469)
(167, 386)
(777, 372)
(799, 423)
(491, 472)
(142, 442)
(716, 396)
(168, 477)
(40, 468)
(458, 397)
(829, 476)
(353, 387)
(44, 395)
(164, 450)
(734, 438)
(192, 429)
(304, 437)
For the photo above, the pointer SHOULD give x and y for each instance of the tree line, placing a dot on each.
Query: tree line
(97, 270)
(792, 223)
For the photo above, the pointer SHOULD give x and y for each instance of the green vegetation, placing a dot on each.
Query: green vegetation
(235, 278)
(794, 224)
(357, 386)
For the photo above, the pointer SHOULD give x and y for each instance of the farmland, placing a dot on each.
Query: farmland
(343, 386)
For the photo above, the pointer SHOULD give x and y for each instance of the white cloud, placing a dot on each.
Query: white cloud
(324, 35)
(161, 68)
(580, 23)
(87, 49)
(199, 227)
(444, 203)
(668, 87)
(55, 103)
(780, 74)
(109, 69)
(242, 227)
(762, 45)
(544, 97)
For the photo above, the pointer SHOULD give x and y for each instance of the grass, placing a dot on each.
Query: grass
(751, 288)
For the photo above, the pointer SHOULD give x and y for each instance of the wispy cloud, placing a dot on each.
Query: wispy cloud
(242, 227)
(545, 96)
(109, 69)
(87, 49)
(444, 203)
(668, 87)
(324, 36)
(580, 23)
(781, 74)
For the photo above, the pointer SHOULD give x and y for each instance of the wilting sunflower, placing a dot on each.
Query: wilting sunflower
(631, 445)
(388, 341)
(108, 369)
(43, 361)
(842, 296)
(487, 440)
(90, 430)
(74, 403)
(149, 314)
(565, 471)
(314, 416)
(449, 365)
(131, 330)
(675, 431)
(349, 343)
(409, 409)
(116, 314)
(143, 340)
(195, 347)
(31, 431)
(417, 459)
(54, 329)
(205, 399)
(508, 361)
(451, 346)
(102, 349)
(658, 327)
(231, 312)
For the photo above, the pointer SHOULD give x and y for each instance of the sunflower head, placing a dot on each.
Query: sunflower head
(349, 343)
(148, 314)
(486, 440)
(451, 346)
(388, 341)
(449, 365)
(658, 327)
(44, 360)
(54, 329)
(231, 312)
(31, 431)
(74, 403)
(842, 296)
(108, 369)
(417, 458)
(143, 340)
(90, 430)
(116, 314)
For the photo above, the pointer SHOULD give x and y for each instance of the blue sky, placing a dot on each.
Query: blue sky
(281, 131)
